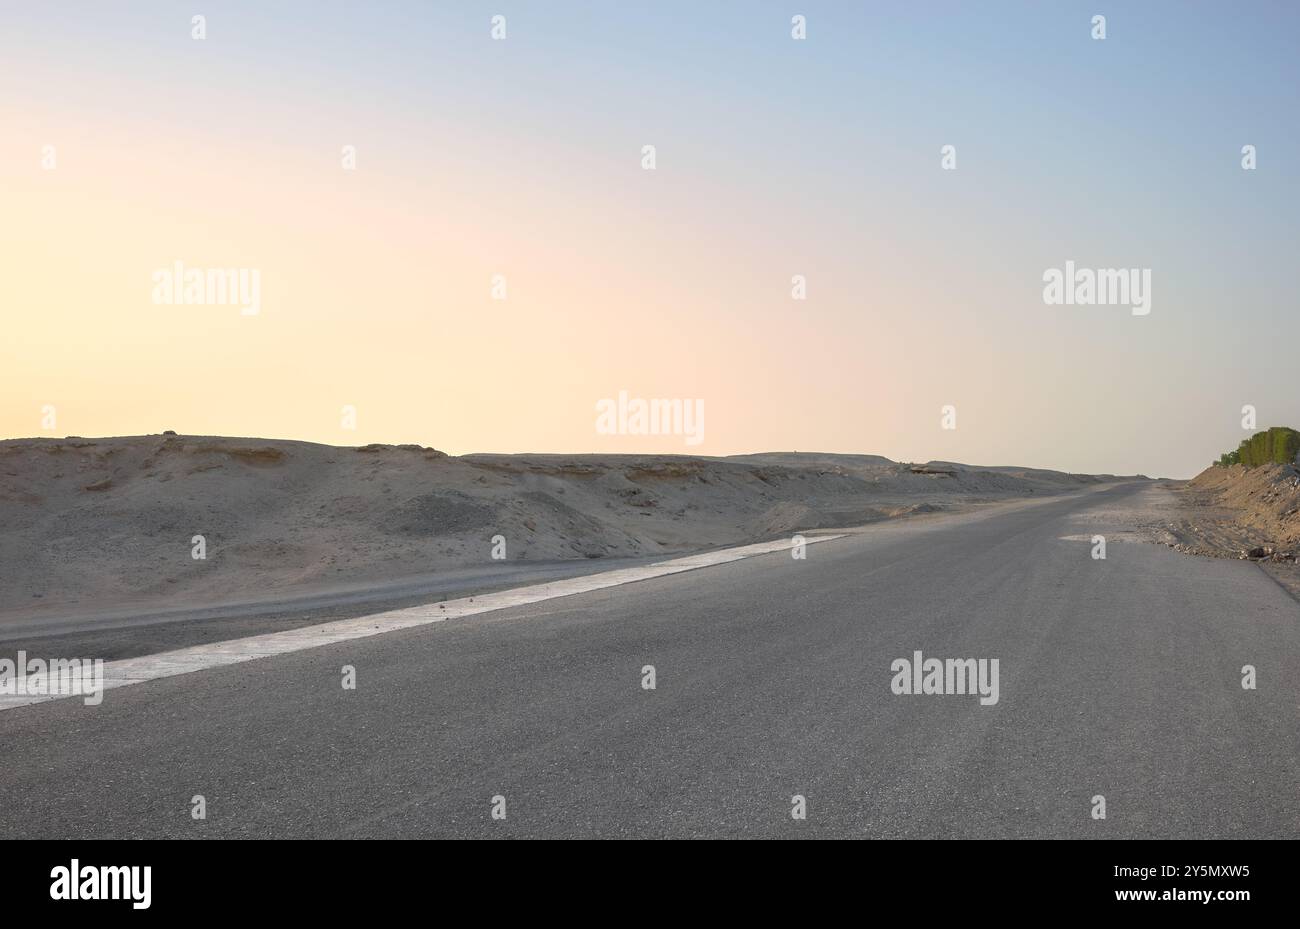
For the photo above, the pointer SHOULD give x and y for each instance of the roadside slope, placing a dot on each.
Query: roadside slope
(111, 522)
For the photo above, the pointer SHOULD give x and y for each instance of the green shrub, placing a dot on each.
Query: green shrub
(1286, 444)
(1277, 445)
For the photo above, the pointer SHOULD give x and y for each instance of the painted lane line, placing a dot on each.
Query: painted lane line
(130, 671)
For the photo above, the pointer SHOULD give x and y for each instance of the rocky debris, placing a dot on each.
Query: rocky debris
(1267, 553)
(1201, 550)
(1259, 553)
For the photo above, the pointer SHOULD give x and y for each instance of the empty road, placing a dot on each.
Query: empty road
(1119, 678)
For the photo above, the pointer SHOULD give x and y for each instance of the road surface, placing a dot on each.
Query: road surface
(1119, 678)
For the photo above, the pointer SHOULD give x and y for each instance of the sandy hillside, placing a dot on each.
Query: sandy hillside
(1228, 512)
(1243, 512)
(109, 521)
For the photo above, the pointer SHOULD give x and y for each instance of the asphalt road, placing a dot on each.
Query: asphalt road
(1119, 678)
(124, 633)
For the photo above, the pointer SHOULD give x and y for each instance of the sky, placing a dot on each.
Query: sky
(495, 259)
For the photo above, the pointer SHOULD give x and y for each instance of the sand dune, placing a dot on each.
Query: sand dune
(100, 522)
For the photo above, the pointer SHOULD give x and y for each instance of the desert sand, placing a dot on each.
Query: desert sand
(98, 523)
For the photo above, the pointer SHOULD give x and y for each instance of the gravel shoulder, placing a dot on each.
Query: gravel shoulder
(1233, 513)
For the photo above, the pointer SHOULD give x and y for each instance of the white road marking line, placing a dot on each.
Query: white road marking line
(235, 651)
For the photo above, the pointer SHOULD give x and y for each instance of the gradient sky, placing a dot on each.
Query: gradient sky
(775, 157)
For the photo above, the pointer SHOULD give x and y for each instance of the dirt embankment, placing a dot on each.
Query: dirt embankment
(1240, 512)
(103, 522)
